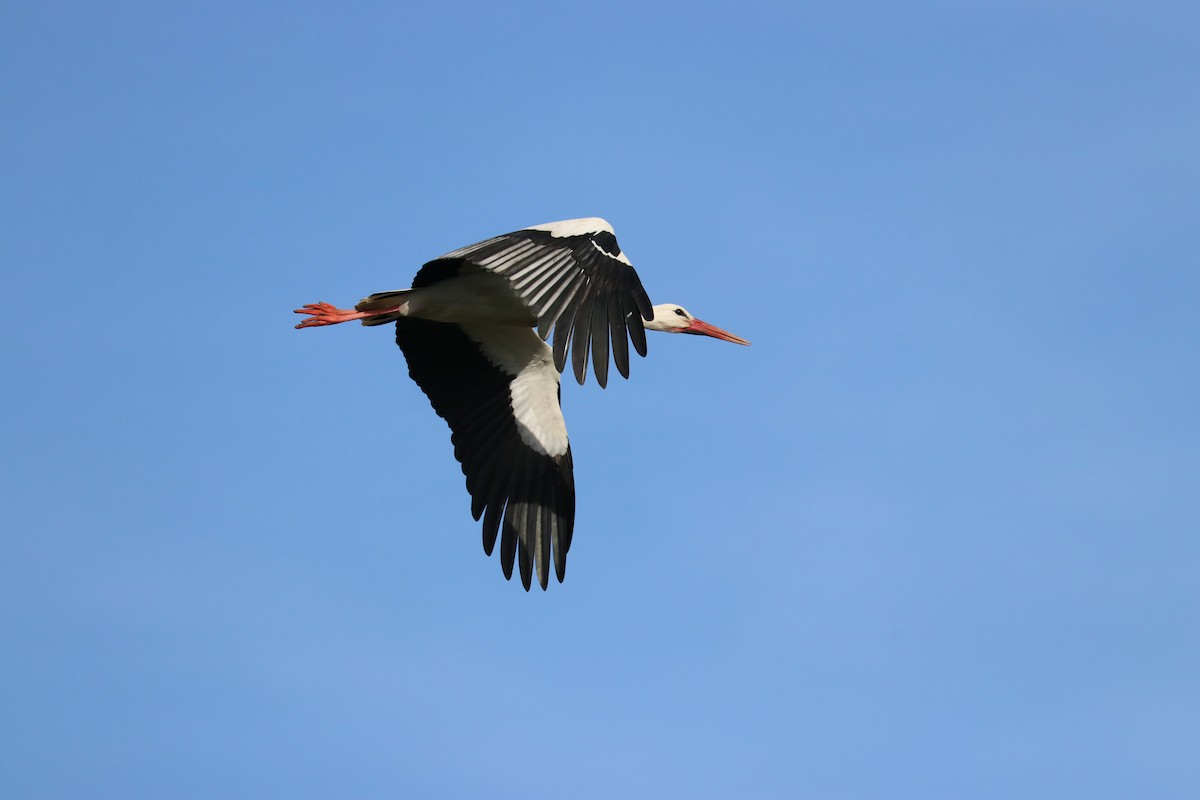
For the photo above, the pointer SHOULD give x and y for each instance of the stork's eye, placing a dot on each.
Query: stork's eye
(681, 312)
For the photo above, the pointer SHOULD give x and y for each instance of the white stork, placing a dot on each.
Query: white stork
(466, 329)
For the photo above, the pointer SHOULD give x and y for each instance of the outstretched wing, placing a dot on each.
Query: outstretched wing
(574, 278)
(498, 390)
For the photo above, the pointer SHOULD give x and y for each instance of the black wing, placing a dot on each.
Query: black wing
(527, 495)
(574, 279)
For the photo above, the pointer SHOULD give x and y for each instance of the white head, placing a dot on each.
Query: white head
(671, 318)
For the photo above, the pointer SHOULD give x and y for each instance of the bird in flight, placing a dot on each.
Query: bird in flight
(474, 330)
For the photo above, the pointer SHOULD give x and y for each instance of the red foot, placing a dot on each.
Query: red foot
(325, 314)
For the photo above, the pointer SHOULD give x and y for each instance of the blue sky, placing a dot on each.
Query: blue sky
(933, 536)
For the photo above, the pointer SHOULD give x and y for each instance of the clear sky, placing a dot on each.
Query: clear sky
(936, 534)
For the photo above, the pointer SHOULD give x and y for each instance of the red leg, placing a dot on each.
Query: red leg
(325, 314)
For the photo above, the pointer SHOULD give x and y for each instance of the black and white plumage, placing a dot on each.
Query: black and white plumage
(466, 328)
(570, 276)
(501, 403)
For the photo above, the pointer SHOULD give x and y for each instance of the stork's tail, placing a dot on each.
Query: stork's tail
(382, 300)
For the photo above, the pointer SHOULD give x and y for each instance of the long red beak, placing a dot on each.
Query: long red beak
(702, 328)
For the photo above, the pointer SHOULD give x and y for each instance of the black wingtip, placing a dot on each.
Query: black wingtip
(526, 566)
(643, 302)
(637, 334)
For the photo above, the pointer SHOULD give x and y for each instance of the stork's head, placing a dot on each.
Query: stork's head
(671, 318)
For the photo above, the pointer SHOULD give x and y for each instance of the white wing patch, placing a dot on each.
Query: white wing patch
(533, 392)
(573, 227)
(535, 404)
